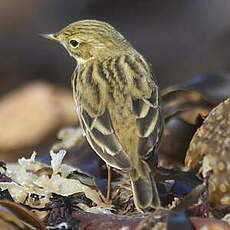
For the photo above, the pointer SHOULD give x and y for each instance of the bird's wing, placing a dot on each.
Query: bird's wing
(149, 123)
(95, 118)
(92, 100)
(146, 105)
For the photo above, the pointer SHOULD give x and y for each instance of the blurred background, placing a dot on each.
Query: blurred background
(181, 39)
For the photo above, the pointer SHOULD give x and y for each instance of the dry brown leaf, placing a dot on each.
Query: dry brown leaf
(31, 114)
(12, 213)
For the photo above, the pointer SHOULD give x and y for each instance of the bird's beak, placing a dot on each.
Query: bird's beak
(52, 37)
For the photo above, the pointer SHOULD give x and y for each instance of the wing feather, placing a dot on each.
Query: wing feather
(147, 124)
(140, 108)
(145, 99)
(103, 140)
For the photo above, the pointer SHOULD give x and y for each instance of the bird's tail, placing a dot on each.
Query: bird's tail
(144, 187)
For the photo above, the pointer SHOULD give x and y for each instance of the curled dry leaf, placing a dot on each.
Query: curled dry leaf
(14, 216)
(31, 115)
(182, 110)
(180, 101)
(211, 144)
(184, 106)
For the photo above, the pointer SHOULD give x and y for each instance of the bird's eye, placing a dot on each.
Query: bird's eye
(74, 43)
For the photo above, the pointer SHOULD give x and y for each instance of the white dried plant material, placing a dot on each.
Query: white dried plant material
(21, 193)
(69, 138)
(30, 163)
(65, 187)
(65, 170)
(57, 166)
(17, 192)
(25, 181)
(20, 175)
(27, 162)
(56, 159)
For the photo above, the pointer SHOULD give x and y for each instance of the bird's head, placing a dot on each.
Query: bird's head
(88, 39)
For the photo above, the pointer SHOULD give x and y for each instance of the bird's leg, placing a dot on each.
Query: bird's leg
(108, 195)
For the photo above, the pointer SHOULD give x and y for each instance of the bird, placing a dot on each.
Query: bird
(117, 101)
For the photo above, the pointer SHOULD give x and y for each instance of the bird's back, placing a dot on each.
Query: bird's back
(123, 88)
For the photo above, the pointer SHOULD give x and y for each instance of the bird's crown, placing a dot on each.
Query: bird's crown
(87, 39)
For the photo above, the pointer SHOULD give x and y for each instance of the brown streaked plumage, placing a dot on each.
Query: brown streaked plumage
(117, 101)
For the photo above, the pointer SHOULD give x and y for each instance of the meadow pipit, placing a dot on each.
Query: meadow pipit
(117, 101)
